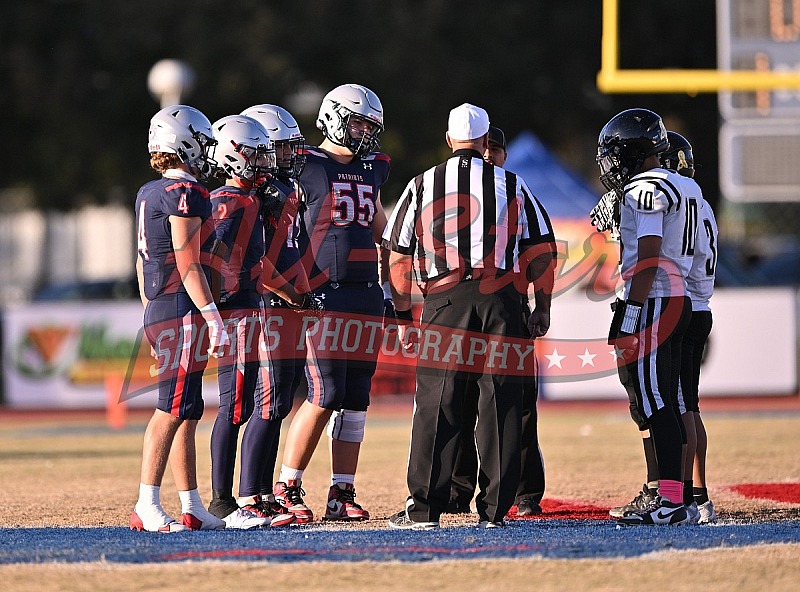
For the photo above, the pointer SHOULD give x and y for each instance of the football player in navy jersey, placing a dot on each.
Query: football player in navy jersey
(180, 314)
(281, 371)
(658, 228)
(343, 222)
(245, 158)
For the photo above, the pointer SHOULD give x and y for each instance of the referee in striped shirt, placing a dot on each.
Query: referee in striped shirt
(464, 229)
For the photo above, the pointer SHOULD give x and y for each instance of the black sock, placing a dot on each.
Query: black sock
(650, 459)
(688, 493)
(700, 495)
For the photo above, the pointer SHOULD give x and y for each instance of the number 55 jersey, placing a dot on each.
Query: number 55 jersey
(661, 203)
(339, 209)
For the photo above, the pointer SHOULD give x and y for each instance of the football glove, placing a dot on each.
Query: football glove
(605, 215)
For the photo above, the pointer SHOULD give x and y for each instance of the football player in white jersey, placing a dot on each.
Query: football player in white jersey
(700, 286)
(658, 229)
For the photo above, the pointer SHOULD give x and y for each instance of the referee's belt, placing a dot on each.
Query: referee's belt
(457, 276)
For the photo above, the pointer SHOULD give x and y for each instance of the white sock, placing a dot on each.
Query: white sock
(190, 500)
(342, 478)
(246, 500)
(290, 474)
(149, 495)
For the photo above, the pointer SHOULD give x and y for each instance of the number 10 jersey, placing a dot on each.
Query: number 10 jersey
(661, 203)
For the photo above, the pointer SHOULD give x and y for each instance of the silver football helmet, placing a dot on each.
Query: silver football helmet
(344, 103)
(184, 131)
(283, 130)
(243, 148)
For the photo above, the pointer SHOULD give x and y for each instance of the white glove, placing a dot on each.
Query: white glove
(605, 215)
(217, 336)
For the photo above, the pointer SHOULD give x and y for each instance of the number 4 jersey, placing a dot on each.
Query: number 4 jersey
(155, 203)
(661, 203)
(340, 201)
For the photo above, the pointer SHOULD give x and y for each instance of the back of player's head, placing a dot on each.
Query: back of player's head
(678, 157)
(185, 132)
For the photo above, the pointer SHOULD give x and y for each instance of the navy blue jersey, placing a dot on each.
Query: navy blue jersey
(155, 203)
(340, 206)
(237, 216)
(282, 234)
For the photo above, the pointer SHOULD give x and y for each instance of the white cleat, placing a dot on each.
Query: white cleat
(243, 519)
(707, 513)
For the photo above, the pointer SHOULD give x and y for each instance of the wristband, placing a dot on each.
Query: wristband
(210, 308)
(403, 315)
(630, 320)
(387, 291)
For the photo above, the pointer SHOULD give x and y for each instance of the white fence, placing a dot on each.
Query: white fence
(37, 248)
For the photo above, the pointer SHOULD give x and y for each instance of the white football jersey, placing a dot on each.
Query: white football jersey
(661, 203)
(700, 283)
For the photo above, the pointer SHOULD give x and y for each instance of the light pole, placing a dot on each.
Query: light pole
(169, 81)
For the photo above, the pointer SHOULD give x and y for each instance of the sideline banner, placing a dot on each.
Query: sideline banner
(58, 355)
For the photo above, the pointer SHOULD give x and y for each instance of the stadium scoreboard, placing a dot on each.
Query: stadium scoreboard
(760, 136)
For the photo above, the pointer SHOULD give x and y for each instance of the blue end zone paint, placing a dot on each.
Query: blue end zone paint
(552, 539)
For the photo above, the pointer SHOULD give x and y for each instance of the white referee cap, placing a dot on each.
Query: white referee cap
(467, 122)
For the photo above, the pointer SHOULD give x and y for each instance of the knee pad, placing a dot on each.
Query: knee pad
(347, 425)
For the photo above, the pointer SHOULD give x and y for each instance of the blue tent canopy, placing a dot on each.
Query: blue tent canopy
(563, 193)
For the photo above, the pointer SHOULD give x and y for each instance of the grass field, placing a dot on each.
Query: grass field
(70, 470)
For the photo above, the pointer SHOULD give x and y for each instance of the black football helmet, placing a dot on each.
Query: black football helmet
(679, 156)
(624, 144)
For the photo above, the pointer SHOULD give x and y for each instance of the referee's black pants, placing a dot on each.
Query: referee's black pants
(439, 400)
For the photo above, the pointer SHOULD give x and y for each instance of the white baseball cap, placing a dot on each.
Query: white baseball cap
(467, 122)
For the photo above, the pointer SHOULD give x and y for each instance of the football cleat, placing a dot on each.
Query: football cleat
(155, 520)
(245, 519)
(707, 513)
(266, 507)
(290, 496)
(660, 512)
(201, 519)
(401, 521)
(342, 504)
(693, 513)
(640, 502)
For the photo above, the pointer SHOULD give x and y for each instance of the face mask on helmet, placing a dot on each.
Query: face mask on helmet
(284, 132)
(244, 149)
(679, 156)
(351, 115)
(625, 142)
(184, 131)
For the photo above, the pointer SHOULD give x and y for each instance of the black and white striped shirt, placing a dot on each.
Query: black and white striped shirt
(466, 214)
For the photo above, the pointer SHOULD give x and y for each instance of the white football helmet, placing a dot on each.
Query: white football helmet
(184, 131)
(282, 128)
(344, 102)
(243, 148)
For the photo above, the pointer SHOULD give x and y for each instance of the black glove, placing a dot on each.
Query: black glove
(388, 310)
(313, 302)
(272, 195)
(538, 323)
